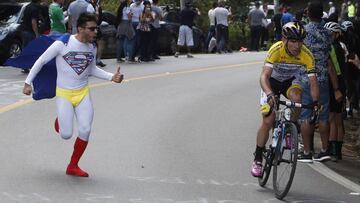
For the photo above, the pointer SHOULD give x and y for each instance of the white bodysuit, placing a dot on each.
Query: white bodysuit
(75, 62)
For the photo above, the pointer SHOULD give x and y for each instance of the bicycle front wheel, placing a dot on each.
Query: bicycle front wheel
(268, 157)
(286, 153)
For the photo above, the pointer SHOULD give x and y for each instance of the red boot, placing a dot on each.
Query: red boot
(56, 125)
(73, 168)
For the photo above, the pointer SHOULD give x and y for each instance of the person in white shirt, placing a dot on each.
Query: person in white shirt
(75, 62)
(222, 27)
(76, 8)
(136, 10)
(212, 28)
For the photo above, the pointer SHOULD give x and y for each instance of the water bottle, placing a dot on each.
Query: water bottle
(275, 137)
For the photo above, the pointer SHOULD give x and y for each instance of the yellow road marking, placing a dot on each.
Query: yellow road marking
(158, 75)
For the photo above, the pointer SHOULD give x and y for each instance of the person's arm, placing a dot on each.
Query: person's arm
(35, 28)
(334, 81)
(69, 28)
(47, 56)
(314, 88)
(264, 80)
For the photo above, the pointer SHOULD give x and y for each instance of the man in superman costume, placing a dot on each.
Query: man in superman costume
(66, 77)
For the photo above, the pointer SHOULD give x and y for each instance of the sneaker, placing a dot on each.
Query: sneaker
(25, 71)
(322, 156)
(156, 57)
(190, 56)
(305, 158)
(176, 54)
(100, 63)
(256, 169)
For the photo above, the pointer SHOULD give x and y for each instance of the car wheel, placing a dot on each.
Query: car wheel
(15, 49)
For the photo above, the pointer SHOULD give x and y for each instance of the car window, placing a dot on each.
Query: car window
(9, 13)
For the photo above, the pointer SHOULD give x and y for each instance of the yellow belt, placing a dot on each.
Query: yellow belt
(73, 96)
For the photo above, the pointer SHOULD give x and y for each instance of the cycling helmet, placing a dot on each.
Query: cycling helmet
(293, 30)
(332, 26)
(346, 25)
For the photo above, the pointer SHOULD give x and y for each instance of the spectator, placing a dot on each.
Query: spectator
(222, 27)
(277, 23)
(57, 17)
(287, 16)
(155, 27)
(146, 17)
(344, 11)
(337, 56)
(187, 16)
(265, 28)
(351, 11)
(44, 18)
(136, 9)
(352, 73)
(125, 32)
(99, 37)
(332, 8)
(30, 26)
(318, 41)
(212, 28)
(256, 17)
(76, 8)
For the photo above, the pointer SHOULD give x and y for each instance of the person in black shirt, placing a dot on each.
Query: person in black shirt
(29, 25)
(187, 16)
(277, 22)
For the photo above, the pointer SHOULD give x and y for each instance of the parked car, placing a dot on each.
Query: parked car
(11, 36)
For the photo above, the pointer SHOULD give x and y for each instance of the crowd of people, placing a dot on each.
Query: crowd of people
(326, 46)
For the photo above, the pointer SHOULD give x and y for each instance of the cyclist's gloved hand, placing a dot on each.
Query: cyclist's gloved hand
(271, 99)
(267, 108)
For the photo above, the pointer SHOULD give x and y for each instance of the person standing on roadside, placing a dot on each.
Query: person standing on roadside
(76, 8)
(212, 28)
(318, 40)
(155, 27)
(57, 17)
(222, 27)
(29, 26)
(75, 63)
(256, 17)
(187, 16)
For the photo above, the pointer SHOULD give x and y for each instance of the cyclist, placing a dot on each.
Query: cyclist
(287, 65)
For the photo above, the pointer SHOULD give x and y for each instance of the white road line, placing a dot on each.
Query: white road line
(332, 175)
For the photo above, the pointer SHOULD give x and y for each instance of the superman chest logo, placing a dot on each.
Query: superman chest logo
(79, 61)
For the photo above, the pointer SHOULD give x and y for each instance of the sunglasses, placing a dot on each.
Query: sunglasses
(92, 28)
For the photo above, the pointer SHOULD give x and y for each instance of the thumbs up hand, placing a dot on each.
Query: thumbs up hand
(118, 77)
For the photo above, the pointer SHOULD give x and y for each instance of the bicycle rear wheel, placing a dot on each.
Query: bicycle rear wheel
(285, 160)
(268, 157)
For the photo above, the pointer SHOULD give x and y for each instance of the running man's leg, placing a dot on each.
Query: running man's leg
(84, 115)
(65, 112)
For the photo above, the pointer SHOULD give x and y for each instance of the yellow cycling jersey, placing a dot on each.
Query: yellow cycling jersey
(286, 66)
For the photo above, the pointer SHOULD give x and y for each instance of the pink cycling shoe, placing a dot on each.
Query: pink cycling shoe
(256, 169)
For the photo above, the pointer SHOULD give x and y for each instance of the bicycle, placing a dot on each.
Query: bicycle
(282, 153)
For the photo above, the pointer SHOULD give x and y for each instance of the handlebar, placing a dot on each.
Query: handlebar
(291, 104)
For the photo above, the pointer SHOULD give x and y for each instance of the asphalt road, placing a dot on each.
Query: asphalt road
(176, 131)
